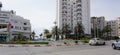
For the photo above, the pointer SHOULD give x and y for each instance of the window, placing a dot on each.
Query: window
(16, 27)
(4, 14)
(2, 21)
(79, 5)
(12, 27)
(24, 28)
(25, 23)
(15, 21)
(20, 28)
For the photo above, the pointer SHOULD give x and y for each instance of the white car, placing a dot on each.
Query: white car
(116, 44)
(96, 41)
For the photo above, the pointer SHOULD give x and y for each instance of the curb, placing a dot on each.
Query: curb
(25, 45)
(11, 45)
(1, 45)
(35, 45)
(59, 45)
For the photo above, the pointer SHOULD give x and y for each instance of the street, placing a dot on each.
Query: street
(61, 50)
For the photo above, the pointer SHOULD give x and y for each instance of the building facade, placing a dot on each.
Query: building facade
(72, 12)
(17, 25)
(98, 22)
(97, 25)
(118, 26)
(113, 25)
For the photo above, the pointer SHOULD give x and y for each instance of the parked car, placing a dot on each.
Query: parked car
(116, 44)
(96, 41)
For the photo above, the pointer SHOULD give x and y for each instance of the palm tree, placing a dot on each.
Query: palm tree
(66, 30)
(49, 35)
(106, 30)
(55, 32)
(46, 31)
(79, 31)
(41, 35)
(33, 35)
(61, 33)
(99, 33)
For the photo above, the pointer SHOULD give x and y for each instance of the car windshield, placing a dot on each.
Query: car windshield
(118, 39)
(98, 39)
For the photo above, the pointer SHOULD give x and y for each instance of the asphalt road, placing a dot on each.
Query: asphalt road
(61, 50)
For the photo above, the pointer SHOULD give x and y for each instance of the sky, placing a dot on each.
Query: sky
(42, 13)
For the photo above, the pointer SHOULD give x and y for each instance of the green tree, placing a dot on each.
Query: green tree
(66, 30)
(20, 38)
(46, 31)
(33, 35)
(106, 30)
(41, 34)
(99, 33)
(48, 35)
(56, 32)
(79, 31)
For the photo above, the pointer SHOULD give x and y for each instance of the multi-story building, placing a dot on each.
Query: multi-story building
(17, 25)
(113, 26)
(118, 26)
(97, 25)
(98, 22)
(71, 12)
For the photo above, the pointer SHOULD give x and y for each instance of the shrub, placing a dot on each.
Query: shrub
(115, 37)
(20, 38)
(85, 40)
(76, 42)
(24, 42)
(65, 43)
(49, 35)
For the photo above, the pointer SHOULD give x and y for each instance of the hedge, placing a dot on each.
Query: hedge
(24, 42)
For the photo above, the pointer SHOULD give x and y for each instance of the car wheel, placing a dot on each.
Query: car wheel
(113, 46)
(104, 43)
(97, 43)
(90, 44)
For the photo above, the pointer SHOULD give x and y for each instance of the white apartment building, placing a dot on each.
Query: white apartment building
(118, 26)
(18, 25)
(113, 25)
(71, 12)
(98, 22)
